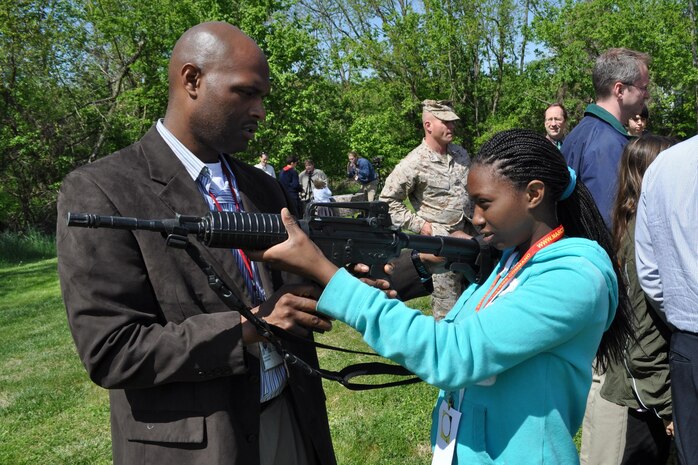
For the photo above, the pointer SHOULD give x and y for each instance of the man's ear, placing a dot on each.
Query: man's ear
(535, 193)
(617, 90)
(191, 79)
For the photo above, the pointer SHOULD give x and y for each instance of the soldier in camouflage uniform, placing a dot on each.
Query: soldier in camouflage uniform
(433, 177)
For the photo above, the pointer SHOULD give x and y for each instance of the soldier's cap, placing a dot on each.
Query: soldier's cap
(442, 109)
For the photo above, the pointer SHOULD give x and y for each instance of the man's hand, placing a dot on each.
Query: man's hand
(292, 308)
(426, 229)
(669, 428)
(434, 264)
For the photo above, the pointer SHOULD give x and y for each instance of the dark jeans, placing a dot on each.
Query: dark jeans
(646, 442)
(683, 358)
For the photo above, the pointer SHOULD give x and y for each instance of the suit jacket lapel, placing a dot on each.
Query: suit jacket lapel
(180, 193)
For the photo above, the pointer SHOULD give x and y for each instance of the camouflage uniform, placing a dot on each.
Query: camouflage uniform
(435, 185)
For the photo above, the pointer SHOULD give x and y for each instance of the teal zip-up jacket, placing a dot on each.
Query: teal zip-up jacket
(538, 338)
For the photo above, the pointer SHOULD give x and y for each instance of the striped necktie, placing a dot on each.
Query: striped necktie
(225, 200)
(272, 370)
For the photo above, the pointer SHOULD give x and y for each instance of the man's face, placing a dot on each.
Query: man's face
(309, 168)
(264, 159)
(555, 123)
(635, 94)
(440, 131)
(229, 104)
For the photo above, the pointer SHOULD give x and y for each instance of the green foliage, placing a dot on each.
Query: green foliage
(79, 81)
(26, 247)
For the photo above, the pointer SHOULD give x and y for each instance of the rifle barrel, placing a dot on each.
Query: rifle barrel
(89, 220)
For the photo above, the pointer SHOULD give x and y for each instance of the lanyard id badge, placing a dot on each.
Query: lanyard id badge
(270, 357)
(446, 432)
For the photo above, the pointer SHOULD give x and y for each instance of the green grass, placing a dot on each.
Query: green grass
(20, 247)
(381, 426)
(50, 413)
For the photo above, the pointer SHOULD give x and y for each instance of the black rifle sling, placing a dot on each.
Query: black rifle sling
(274, 334)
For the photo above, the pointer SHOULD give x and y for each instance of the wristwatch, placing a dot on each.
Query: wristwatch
(419, 266)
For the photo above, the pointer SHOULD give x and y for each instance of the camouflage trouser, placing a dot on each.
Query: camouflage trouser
(447, 288)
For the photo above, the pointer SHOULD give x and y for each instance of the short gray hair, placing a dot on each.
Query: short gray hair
(617, 64)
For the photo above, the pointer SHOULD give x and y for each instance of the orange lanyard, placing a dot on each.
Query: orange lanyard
(553, 236)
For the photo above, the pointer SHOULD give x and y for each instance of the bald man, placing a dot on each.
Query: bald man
(433, 177)
(190, 381)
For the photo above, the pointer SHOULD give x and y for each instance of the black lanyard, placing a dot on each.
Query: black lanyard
(275, 334)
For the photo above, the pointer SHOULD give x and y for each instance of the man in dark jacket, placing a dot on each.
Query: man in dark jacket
(288, 177)
(593, 148)
(190, 381)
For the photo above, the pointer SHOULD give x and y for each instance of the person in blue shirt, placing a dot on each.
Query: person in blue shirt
(288, 177)
(361, 170)
(593, 148)
(513, 357)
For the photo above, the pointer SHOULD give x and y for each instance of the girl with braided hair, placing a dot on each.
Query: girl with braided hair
(513, 357)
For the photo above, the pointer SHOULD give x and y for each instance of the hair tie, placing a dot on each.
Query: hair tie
(570, 187)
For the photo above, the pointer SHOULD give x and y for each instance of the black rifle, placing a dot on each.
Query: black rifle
(369, 238)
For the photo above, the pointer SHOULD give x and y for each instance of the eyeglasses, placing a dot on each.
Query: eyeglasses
(644, 89)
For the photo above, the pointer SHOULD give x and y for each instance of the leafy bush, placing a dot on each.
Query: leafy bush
(23, 247)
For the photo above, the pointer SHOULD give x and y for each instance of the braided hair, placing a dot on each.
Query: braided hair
(523, 156)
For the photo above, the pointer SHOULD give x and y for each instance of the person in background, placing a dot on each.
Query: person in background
(190, 380)
(322, 194)
(361, 170)
(264, 165)
(640, 381)
(637, 124)
(666, 251)
(433, 178)
(513, 358)
(306, 179)
(593, 149)
(555, 124)
(288, 177)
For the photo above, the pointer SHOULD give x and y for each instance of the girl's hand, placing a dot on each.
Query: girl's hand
(298, 254)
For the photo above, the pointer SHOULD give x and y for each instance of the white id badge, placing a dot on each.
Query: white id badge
(446, 435)
(270, 357)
